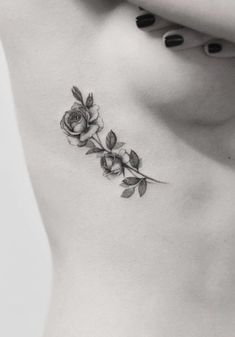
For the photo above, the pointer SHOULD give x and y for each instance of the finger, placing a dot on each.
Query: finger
(150, 22)
(214, 18)
(220, 48)
(184, 38)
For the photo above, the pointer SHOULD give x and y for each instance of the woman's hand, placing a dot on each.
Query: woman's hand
(205, 22)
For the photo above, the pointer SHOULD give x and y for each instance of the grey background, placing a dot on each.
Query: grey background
(25, 263)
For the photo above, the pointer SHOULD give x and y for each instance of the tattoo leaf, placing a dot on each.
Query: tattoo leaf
(94, 150)
(142, 188)
(130, 181)
(118, 145)
(90, 144)
(89, 101)
(77, 94)
(128, 192)
(134, 160)
(115, 160)
(111, 140)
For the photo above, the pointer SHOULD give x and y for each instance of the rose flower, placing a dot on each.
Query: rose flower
(81, 123)
(113, 163)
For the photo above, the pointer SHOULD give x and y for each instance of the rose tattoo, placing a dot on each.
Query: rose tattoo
(81, 122)
(82, 125)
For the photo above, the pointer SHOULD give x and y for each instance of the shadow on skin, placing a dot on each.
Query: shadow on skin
(204, 120)
(211, 140)
(200, 105)
(99, 7)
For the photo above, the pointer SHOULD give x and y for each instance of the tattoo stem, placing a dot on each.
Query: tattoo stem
(98, 137)
(131, 172)
(99, 143)
(144, 175)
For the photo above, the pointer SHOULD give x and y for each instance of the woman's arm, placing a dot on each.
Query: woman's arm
(215, 18)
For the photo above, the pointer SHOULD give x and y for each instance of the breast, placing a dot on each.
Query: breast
(188, 84)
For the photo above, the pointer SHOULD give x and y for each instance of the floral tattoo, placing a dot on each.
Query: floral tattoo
(82, 125)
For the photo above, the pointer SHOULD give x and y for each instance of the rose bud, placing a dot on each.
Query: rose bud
(112, 164)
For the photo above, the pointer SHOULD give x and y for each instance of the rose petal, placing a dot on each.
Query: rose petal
(71, 133)
(79, 126)
(106, 172)
(102, 161)
(84, 111)
(75, 141)
(94, 113)
(62, 125)
(109, 162)
(67, 131)
(100, 123)
(66, 117)
(110, 176)
(117, 168)
(76, 106)
(91, 131)
(124, 155)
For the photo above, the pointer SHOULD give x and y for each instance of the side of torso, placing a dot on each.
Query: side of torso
(124, 266)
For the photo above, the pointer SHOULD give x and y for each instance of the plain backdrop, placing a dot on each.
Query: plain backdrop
(25, 262)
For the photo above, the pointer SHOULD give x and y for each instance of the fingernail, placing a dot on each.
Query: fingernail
(214, 48)
(174, 40)
(146, 20)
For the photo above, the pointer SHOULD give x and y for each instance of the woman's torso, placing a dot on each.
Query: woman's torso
(161, 265)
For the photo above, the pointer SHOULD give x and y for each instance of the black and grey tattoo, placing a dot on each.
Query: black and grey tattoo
(82, 125)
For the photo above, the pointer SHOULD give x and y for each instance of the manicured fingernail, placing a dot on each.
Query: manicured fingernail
(145, 20)
(214, 48)
(174, 40)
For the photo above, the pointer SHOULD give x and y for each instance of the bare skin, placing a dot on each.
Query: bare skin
(158, 266)
(215, 18)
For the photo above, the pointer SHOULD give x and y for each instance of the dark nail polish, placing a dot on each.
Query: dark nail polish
(145, 20)
(174, 40)
(214, 48)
